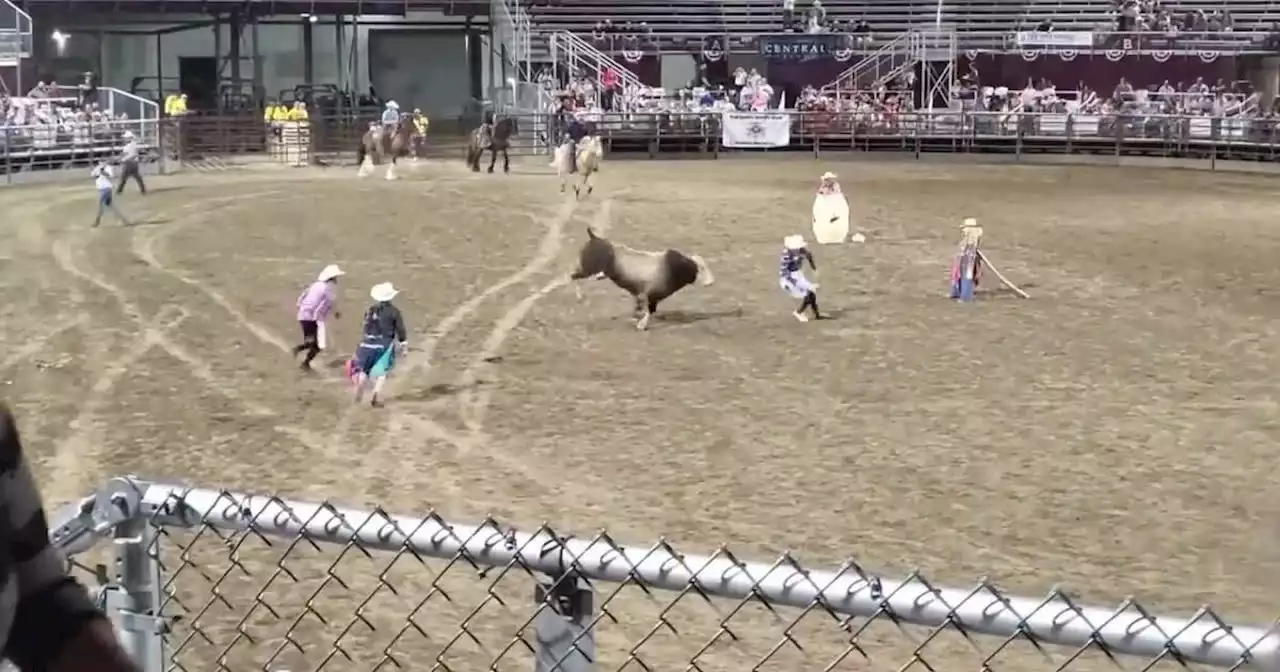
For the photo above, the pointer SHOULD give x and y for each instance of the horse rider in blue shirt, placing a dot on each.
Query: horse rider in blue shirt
(391, 115)
(575, 131)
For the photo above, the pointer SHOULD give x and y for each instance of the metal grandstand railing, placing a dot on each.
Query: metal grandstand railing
(570, 50)
(512, 35)
(15, 35)
(873, 69)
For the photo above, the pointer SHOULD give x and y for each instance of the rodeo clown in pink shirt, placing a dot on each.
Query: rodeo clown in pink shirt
(315, 304)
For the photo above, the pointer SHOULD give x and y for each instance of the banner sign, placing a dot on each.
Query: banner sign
(1160, 42)
(806, 47)
(755, 129)
(1067, 40)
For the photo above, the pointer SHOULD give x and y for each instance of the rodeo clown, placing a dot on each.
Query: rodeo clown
(791, 276)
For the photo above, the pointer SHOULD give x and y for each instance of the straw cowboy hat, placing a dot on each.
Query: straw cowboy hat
(330, 272)
(793, 242)
(828, 175)
(383, 292)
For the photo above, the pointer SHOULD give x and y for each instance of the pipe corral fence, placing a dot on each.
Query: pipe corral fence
(218, 142)
(201, 579)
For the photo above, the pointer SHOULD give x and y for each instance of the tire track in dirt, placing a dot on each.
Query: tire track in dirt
(144, 249)
(65, 255)
(547, 250)
(334, 445)
(84, 443)
(473, 403)
(29, 240)
(411, 415)
(329, 443)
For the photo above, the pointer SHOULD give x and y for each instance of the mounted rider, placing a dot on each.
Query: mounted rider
(574, 131)
(390, 120)
(486, 128)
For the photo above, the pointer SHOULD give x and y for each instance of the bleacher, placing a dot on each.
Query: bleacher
(45, 125)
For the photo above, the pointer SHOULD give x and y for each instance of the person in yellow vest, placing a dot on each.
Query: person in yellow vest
(280, 113)
(299, 112)
(175, 105)
(420, 126)
(273, 127)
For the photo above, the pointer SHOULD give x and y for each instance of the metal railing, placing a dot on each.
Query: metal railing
(866, 73)
(204, 141)
(580, 55)
(513, 35)
(16, 33)
(208, 578)
(745, 41)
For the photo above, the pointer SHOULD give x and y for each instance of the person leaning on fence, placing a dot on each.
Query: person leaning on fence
(47, 620)
(102, 179)
(130, 158)
(298, 112)
(175, 104)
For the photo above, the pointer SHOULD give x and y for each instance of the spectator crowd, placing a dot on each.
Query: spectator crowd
(45, 119)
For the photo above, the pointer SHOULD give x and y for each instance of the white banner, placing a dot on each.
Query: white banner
(755, 129)
(1036, 38)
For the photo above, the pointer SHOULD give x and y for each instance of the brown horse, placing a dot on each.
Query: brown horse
(378, 144)
(496, 138)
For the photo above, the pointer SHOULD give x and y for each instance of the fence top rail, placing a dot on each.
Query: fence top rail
(847, 590)
(1098, 40)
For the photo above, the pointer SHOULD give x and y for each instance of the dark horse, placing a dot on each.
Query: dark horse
(495, 139)
(380, 144)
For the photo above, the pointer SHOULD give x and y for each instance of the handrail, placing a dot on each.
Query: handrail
(573, 44)
(1104, 41)
(872, 61)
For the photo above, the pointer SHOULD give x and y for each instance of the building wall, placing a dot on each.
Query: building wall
(120, 58)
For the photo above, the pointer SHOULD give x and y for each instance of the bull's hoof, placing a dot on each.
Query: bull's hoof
(490, 171)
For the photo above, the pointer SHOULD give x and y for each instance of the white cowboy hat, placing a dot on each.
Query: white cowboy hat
(393, 104)
(383, 291)
(330, 272)
(828, 175)
(127, 135)
(969, 222)
(793, 242)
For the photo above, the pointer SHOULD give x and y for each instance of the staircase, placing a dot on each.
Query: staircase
(569, 50)
(867, 73)
(15, 45)
(894, 59)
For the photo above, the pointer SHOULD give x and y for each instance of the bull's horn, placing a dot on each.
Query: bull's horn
(592, 233)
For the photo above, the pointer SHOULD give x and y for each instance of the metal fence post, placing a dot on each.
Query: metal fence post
(132, 600)
(566, 639)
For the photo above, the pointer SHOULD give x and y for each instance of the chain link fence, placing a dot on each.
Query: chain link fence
(202, 580)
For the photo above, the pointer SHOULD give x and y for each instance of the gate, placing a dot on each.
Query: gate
(209, 579)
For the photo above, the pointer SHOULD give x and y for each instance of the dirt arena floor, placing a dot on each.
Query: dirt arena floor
(1112, 435)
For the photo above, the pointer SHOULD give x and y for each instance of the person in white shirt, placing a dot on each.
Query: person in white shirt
(102, 179)
(130, 157)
